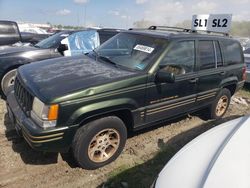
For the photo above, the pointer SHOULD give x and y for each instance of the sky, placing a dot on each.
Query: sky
(118, 13)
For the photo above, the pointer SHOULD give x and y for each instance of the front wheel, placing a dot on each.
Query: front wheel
(8, 81)
(99, 142)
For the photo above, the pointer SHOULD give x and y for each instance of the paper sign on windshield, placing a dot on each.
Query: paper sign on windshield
(212, 22)
(143, 48)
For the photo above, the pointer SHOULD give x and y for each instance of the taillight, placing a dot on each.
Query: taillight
(244, 72)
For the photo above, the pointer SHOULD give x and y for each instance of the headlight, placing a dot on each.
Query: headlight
(44, 115)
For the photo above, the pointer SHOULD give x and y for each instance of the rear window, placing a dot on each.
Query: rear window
(7, 28)
(232, 52)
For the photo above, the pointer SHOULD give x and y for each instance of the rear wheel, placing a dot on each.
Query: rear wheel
(8, 81)
(99, 142)
(220, 105)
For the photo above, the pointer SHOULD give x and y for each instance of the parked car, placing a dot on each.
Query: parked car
(10, 34)
(219, 157)
(66, 43)
(136, 79)
(247, 60)
(33, 38)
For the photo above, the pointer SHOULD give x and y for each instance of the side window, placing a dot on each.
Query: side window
(7, 29)
(218, 55)
(180, 59)
(232, 52)
(206, 55)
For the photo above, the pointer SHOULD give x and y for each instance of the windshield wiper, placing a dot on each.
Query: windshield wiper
(104, 58)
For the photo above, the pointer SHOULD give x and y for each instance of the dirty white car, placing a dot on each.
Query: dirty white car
(219, 157)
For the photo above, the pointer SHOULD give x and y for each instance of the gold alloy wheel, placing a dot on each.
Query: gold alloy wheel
(221, 106)
(103, 145)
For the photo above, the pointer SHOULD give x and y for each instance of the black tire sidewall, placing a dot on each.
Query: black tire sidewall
(89, 131)
(223, 92)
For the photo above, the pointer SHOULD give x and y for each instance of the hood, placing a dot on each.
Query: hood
(9, 50)
(58, 77)
(219, 157)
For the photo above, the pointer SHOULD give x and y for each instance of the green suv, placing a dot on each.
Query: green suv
(136, 79)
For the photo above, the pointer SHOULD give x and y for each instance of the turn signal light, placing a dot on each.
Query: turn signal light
(53, 112)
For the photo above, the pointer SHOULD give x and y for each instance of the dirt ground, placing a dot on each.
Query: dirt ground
(145, 154)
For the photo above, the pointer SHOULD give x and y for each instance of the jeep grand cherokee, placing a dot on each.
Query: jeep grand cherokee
(134, 80)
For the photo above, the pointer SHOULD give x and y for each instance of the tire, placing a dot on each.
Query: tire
(220, 104)
(92, 147)
(7, 81)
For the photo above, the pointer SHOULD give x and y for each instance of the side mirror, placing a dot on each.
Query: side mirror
(62, 47)
(165, 77)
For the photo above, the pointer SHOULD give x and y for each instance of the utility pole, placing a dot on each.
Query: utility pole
(85, 9)
(78, 20)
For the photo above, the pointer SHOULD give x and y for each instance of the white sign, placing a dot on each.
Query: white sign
(143, 48)
(212, 22)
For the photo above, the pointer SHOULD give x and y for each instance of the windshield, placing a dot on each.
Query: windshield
(132, 51)
(52, 41)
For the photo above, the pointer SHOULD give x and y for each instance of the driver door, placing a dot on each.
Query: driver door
(165, 100)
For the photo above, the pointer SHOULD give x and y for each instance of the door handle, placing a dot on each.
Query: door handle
(193, 80)
(223, 73)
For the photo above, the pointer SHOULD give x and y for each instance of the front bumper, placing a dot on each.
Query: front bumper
(57, 139)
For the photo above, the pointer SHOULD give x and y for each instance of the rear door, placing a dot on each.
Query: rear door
(211, 71)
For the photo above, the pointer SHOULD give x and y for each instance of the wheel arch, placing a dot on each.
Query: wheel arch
(230, 84)
(121, 108)
(124, 114)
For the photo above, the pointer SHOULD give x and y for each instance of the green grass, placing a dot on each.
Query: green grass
(142, 175)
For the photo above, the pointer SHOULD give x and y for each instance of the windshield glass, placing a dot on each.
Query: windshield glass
(132, 51)
(52, 41)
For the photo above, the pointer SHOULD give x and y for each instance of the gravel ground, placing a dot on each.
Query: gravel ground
(146, 152)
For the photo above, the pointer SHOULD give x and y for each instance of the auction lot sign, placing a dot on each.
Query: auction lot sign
(212, 22)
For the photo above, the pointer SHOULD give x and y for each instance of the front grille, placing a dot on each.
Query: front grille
(24, 98)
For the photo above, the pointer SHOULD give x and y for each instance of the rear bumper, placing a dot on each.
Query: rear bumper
(248, 76)
(56, 139)
(240, 85)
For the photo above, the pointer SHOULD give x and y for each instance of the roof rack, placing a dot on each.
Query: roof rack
(167, 28)
(180, 29)
(210, 32)
(136, 28)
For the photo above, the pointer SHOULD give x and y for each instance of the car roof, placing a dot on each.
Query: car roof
(7, 22)
(91, 29)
